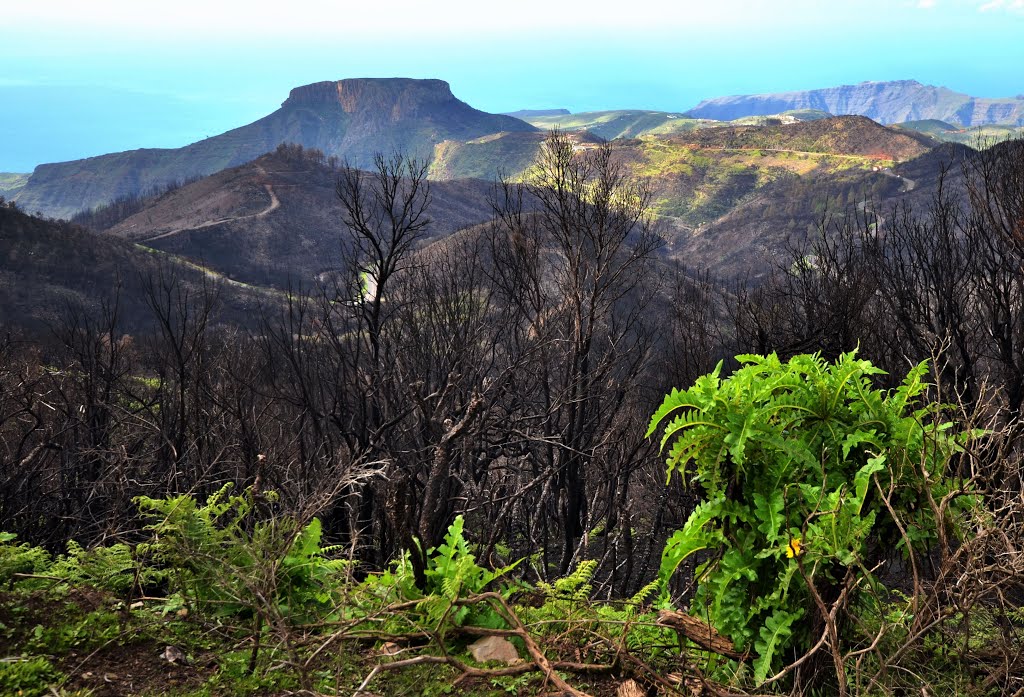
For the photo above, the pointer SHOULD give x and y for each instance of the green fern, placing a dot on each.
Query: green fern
(787, 456)
(569, 613)
(642, 596)
(110, 568)
(565, 608)
(576, 586)
(20, 558)
(453, 574)
(225, 559)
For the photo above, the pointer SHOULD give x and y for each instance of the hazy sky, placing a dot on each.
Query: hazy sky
(84, 78)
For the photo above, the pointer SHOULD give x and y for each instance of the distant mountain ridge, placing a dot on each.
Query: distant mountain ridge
(886, 102)
(352, 119)
(634, 123)
(532, 113)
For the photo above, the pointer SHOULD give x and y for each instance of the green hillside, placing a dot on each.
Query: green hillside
(782, 118)
(632, 123)
(932, 127)
(701, 174)
(11, 183)
(841, 135)
(976, 137)
(486, 157)
(695, 184)
(623, 123)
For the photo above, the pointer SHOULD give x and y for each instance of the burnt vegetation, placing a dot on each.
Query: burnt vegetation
(507, 374)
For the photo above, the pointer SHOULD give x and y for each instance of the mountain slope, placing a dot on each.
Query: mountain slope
(485, 158)
(699, 175)
(620, 123)
(975, 136)
(276, 220)
(351, 119)
(526, 114)
(631, 123)
(840, 135)
(47, 267)
(886, 102)
(11, 183)
(761, 231)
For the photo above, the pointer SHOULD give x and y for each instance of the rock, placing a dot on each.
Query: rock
(172, 654)
(390, 648)
(494, 648)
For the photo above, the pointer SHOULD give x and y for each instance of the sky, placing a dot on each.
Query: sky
(84, 78)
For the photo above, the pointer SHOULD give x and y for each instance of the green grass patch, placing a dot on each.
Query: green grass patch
(11, 183)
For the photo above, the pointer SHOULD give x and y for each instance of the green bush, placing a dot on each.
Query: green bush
(792, 461)
(110, 568)
(223, 558)
(31, 677)
(20, 558)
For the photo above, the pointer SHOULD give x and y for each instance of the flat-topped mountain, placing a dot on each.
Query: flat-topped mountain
(350, 119)
(533, 113)
(885, 102)
(371, 115)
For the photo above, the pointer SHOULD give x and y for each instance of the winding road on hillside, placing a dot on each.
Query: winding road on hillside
(842, 156)
(212, 274)
(908, 185)
(275, 203)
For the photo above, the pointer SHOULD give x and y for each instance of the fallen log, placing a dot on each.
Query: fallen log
(699, 632)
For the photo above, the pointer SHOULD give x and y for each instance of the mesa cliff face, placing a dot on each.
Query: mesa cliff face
(401, 97)
(351, 119)
(885, 102)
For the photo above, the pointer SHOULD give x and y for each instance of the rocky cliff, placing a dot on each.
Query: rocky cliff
(885, 102)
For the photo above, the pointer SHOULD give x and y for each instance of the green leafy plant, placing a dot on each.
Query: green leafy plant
(31, 677)
(20, 558)
(452, 574)
(568, 613)
(806, 472)
(227, 560)
(110, 568)
(565, 599)
(77, 629)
